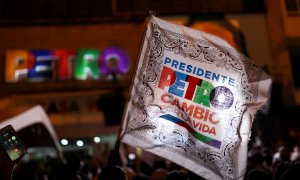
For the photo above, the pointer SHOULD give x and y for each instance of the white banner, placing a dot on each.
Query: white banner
(193, 100)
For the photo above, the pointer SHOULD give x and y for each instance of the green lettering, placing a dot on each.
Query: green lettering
(203, 93)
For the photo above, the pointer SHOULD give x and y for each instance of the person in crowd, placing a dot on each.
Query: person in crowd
(115, 166)
(281, 155)
(159, 170)
(281, 161)
(295, 154)
(159, 174)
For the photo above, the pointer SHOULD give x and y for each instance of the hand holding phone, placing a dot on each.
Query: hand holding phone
(11, 143)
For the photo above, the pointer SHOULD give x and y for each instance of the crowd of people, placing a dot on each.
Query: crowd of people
(282, 164)
(77, 166)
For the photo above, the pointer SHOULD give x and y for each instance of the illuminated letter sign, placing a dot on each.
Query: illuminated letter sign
(86, 64)
(43, 65)
(16, 65)
(113, 60)
(65, 61)
(62, 64)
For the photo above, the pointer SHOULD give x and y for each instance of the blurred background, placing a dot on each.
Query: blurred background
(42, 40)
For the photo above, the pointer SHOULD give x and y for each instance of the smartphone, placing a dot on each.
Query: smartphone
(11, 143)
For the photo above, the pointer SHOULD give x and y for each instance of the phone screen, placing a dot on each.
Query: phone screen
(11, 143)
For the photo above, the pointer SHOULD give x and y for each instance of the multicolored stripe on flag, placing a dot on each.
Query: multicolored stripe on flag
(210, 141)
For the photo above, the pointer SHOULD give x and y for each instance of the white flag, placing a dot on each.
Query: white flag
(193, 100)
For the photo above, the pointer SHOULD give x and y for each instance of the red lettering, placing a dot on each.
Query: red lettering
(188, 109)
(167, 78)
(211, 118)
(212, 131)
(195, 124)
(198, 113)
(176, 103)
(193, 82)
(164, 98)
(185, 111)
(206, 115)
(64, 62)
(205, 128)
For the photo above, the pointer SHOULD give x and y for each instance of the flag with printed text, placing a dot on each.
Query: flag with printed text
(192, 100)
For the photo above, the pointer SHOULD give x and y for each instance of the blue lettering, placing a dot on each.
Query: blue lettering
(200, 72)
(174, 64)
(182, 66)
(231, 82)
(189, 68)
(216, 77)
(178, 87)
(207, 74)
(167, 60)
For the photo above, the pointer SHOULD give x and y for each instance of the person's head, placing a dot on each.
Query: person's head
(296, 149)
(284, 153)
